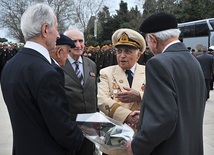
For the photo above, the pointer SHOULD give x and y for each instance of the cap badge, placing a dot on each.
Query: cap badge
(124, 37)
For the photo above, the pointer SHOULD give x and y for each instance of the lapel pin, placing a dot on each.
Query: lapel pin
(92, 74)
(121, 81)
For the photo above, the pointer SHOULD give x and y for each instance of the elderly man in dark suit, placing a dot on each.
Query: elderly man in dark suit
(172, 109)
(60, 53)
(34, 94)
(207, 64)
(80, 84)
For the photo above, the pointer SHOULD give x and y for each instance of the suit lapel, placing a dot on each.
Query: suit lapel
(120, 77)
(68, 69)
(139, 76)
(122, 81)
(85, 69)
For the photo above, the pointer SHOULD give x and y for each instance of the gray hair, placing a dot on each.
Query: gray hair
(138, 50)
(73, 28)
(166, 34)
(70, 28)
(34, 18)
(204, 49)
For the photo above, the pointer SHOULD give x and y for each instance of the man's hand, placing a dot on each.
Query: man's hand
(133, 119)
(131, 95)
(128, 146)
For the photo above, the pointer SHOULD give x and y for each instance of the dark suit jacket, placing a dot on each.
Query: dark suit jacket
(207, 64)
(82, 99)
(172, 109)
(58, 69)
(34, 94)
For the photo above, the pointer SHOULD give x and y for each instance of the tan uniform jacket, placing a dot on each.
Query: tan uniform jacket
(112, 80)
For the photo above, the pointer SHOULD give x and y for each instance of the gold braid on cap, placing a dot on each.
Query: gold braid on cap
(125, 40)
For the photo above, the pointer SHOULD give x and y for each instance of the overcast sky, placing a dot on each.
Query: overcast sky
(113, 6)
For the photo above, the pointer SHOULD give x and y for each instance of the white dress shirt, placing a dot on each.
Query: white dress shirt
(39, 48)
(72, 61)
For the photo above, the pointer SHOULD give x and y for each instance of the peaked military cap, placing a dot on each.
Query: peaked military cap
(64, 40)
(159, 22)
(128, 37)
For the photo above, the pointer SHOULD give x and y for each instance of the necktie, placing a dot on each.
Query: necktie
(130, 78)
(78, 72)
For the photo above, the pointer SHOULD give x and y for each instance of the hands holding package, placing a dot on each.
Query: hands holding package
(132, 120)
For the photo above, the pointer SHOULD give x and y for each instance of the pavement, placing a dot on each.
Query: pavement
(208, 126)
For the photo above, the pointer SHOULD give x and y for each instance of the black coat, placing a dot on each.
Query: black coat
(82, 99)
(207, 64)
(39, 111)
(172, 109)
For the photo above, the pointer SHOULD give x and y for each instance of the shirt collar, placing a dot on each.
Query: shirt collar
(133, 68)
(176, 41)
(55, 62)
(39, 48)
(71, 60)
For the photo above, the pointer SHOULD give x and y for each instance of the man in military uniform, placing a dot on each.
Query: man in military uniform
(105, 56)
(121, 86)
(1, 46)
(4, 54)
(13, 49)
(98, 59)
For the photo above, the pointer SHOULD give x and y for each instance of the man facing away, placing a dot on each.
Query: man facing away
(207, 64)
(172, 109)
(80, 84)
(34, 94)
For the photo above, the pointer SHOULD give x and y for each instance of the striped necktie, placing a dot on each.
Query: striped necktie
(78, 72)
(130, 77)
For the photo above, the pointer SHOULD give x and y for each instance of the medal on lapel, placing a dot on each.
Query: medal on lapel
(116, 88)
(143, 87)
(92, 74)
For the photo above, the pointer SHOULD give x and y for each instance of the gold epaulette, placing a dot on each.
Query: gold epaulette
(112, 109)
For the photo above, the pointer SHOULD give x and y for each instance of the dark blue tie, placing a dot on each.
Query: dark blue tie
(130, 78)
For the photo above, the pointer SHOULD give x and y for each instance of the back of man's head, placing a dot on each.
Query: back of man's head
(162, 25)
(204, 49)
(34, 18)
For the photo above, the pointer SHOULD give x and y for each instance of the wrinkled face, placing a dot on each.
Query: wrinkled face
(78, 39)
(52, 37)
(127, 56)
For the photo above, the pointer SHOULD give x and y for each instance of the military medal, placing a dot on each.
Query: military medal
(116, 88)
(115, 91)
(143, 87)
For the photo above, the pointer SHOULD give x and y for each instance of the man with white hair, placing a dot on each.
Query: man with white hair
(172, 109)
(121, 86)
(34, 94)
(80, 84)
